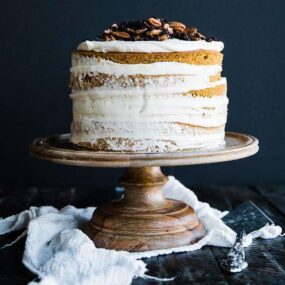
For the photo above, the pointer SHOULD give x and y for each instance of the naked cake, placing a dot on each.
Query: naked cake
(148, 86)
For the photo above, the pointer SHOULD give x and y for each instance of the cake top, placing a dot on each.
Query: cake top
(151, 35)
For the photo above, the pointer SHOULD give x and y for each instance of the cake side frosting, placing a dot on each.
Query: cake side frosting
(128, 100)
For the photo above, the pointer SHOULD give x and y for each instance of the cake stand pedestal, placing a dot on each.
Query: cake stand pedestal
(143, 219)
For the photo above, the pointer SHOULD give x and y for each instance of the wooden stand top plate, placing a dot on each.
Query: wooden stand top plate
(58, 149)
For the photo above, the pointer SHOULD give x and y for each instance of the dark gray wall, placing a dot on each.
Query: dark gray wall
(38, 36)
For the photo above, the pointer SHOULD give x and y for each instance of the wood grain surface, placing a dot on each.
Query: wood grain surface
(143, 219)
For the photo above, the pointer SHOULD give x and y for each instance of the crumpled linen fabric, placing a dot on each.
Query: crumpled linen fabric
(61, 254)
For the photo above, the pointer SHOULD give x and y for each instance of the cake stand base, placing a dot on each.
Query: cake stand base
(143, 219)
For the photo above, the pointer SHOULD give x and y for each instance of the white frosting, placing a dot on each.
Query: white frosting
(198, 111)
(172, 45)
(86, 65)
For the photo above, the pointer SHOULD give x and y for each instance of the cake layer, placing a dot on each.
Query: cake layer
(161, 87)
(102, 82)
(88, 81)
(127, 136)
(96, 66)
(199, 57)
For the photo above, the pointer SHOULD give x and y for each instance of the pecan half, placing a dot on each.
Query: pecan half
(122, 35)
(154, 22)
(177, 26)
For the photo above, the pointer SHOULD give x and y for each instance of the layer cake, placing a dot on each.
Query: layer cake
(148, 86)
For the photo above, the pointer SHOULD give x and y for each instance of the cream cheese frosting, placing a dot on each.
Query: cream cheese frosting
(171, 45)
(198, 111)
(94, 65)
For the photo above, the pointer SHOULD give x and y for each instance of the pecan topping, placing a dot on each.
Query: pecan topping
(152, 29)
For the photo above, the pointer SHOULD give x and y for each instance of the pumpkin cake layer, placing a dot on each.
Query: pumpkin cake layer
(199, 57)
(83, 81)
(88, 81)
(146, 96)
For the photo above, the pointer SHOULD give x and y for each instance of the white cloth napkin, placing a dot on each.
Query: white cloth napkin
(60, 254)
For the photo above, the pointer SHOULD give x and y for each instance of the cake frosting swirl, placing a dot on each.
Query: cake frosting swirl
(149, 95)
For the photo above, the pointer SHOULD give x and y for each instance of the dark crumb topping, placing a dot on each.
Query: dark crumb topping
(152, 29)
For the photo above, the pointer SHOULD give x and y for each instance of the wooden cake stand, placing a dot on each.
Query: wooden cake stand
(143, 219)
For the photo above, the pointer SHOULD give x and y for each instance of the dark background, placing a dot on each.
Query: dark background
(37, 37)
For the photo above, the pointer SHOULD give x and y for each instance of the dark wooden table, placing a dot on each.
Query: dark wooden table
(266, 258)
